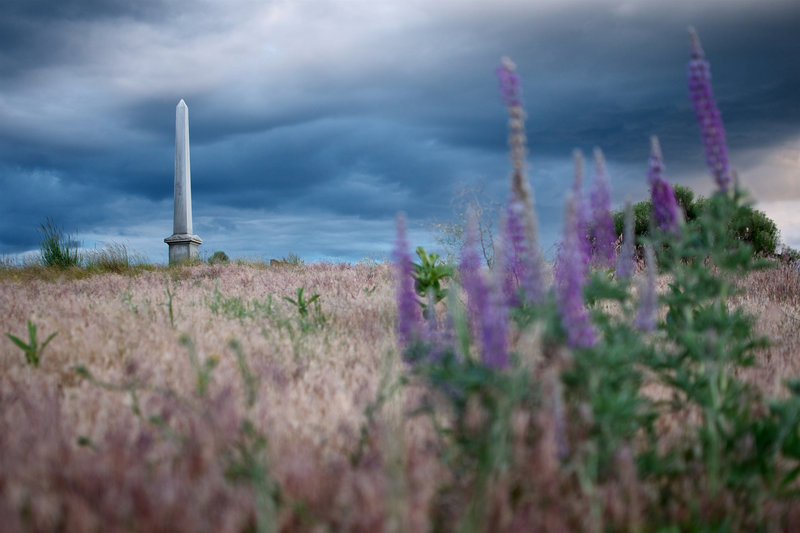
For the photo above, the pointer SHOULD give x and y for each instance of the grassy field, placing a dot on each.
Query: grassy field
(201, 399)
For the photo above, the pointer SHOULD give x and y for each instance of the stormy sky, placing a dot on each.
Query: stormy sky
(313, 122)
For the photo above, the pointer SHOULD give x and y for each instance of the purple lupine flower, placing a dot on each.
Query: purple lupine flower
(510, 83)
(409, 324)
(570, 280)
(523, 256)
(646, 316)
(665, 207)
(494, 326)
(581, 210)
(707, 114)
(625, 262)
(487, 310)
(602, 226)
(474, 285)
(514, 250)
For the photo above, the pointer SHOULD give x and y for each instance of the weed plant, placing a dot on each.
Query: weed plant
(114, 258)
(56, 247)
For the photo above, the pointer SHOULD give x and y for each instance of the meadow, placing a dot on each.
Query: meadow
(142, 417)
(646, 381)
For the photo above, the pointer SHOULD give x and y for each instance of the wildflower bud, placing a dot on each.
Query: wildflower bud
(524, 263)
(667, 214)
(409, 325)
(570, 280)
(707, 114)
(602, 225)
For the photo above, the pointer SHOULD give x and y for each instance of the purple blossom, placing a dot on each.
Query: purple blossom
(510, 83)
(471, 279)
(524, 264)
(707, 114)
(494, 327)
(646, 315)
(581, 210)
(409, 324)
(487, 310)
(665, 206)
(521, 261)
(625, 263)
(602, 226)
(514, 251)
(570, 280)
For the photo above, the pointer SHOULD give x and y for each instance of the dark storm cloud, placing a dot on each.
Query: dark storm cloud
(36, 33)
(358, 111)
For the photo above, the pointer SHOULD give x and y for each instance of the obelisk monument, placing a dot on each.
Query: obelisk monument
(182, 243)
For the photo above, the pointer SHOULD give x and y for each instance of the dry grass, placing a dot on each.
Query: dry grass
(313, 389)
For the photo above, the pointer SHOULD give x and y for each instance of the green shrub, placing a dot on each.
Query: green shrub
(748, 225)
(218, 258)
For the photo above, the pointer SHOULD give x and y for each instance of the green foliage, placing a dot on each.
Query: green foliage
(301, 303)
(293, 259)
(756, 228)
(739, 447)
(310, 317)
(57, 249)
(429, 274)
(745, 224)
(233, 307)
(218, 258)
(32, 350)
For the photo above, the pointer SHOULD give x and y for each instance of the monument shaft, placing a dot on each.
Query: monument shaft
(183, 173)
(182, 243)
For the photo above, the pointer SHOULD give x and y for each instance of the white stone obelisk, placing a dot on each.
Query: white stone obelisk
(182, 244)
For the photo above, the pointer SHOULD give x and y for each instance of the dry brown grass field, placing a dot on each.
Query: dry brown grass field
(151, 441)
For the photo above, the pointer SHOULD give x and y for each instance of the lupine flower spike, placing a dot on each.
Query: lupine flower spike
(666, 211)
(581, 209)
(707, 114)
(472, 280)
(646, 316)
(570, 280)
(514, 250)
(494, 322)
(603, 236)
(625, 262)
(486, 309)
(409, 324)
(523, 257)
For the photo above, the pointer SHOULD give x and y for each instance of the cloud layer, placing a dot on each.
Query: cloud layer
(314, 122)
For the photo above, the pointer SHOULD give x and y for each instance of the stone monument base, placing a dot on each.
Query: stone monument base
(182, 247)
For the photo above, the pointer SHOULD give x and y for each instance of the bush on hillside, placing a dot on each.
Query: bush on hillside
(218, 258)
(748, 224)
